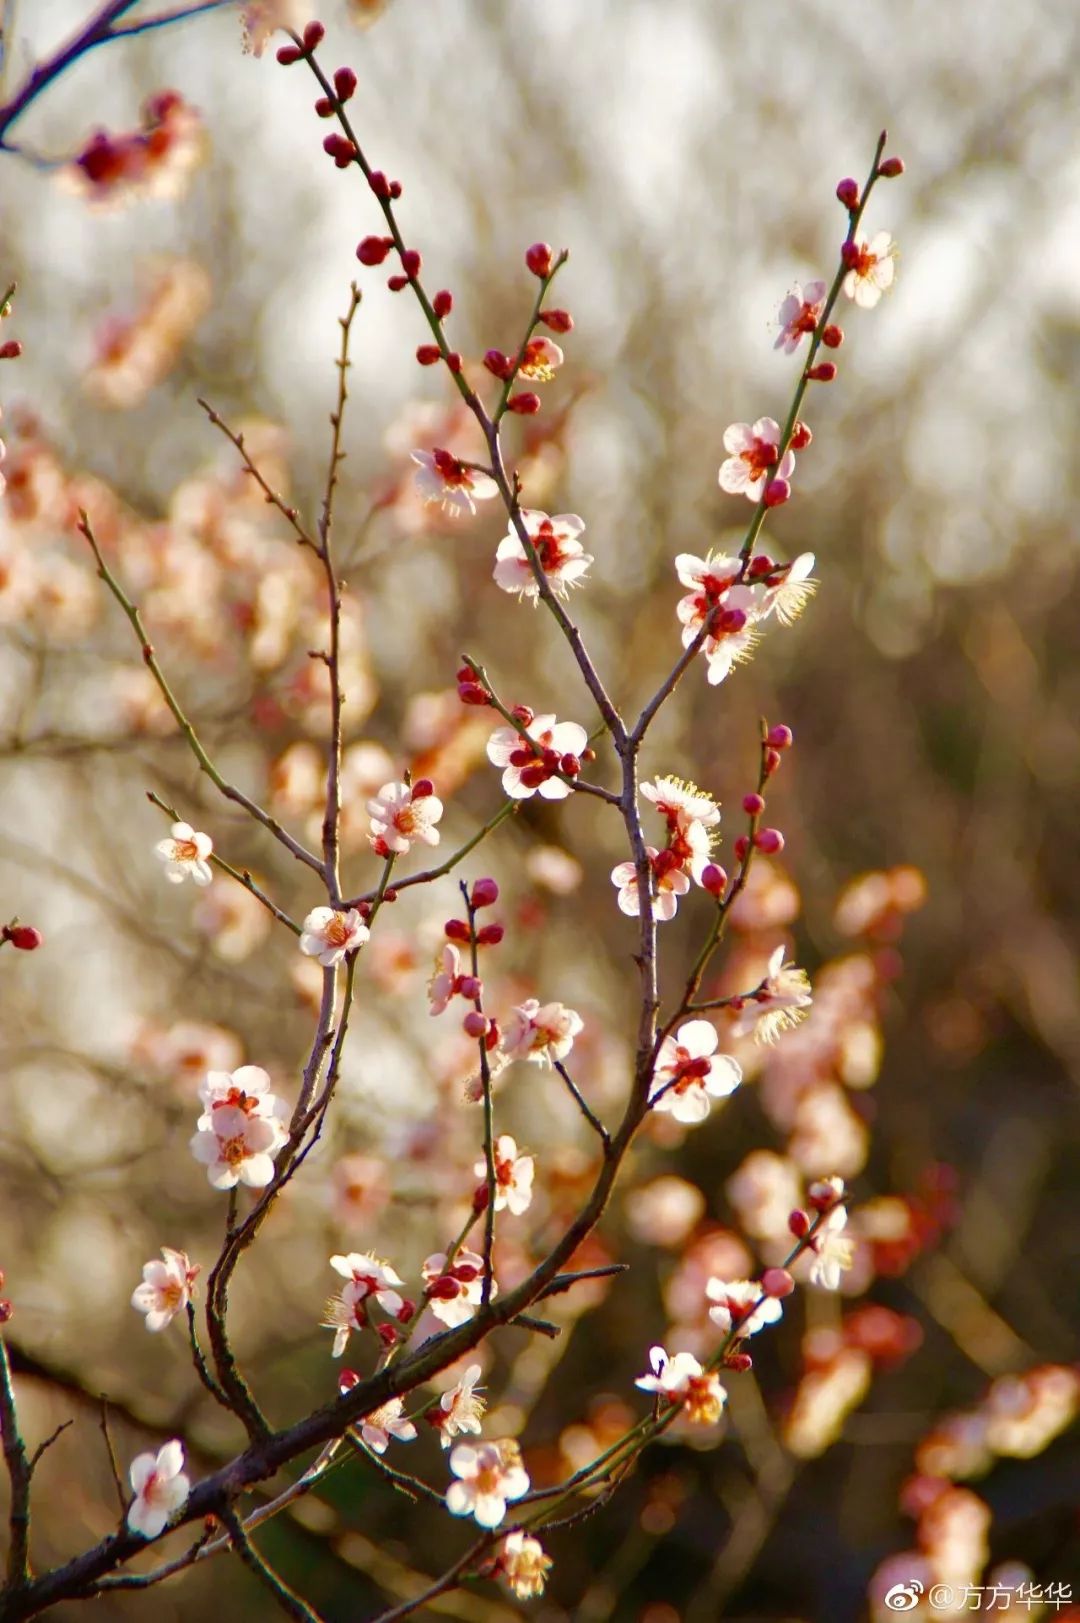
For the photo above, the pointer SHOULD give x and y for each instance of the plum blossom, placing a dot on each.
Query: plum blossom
(513, 1176)
(448, 483)
(261, 18)
(524, 1564)
(558, 552)
(166, 1288)
(160, 1488)
(241, 1128)
(682, 1380)
(454, 1292)
(541, 360)
(690, 1074)
(460, 1409)
(871, 269)
(692, 817)
(488, 1475)
(730, 607)
(185, 855)
(799, 315)
(833, 1250)
(156, 160)
(381, 1424)
(780, 1002)
(755, 458)
(445, 983)
(669, 883)
(788, 593)
(541, 1033)
(366, 1279)
(532, 757)
(329, 934)
(732, 1303)
(401, 814)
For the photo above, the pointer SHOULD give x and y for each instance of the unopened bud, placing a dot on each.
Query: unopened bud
(324, 107)
(780, 737)
(770, 762)
(824, 372)
(471, 987)
(345, 83)
(11, 350)
(777, 492)
(379, 184)
(422, 788)
(484, 893)
(738, 1361)
(753, 805)
(428, 354)
(411, 262)
(387, 1334)
(850, 253)
(457, 930)
(472, 693)
(833, 336)
(526, 404)
(769, 840)
(443, 303)
(848, 193)
(373, 250)
(742, 846)
(397, 284)
(713, 879)
(395, 189)
(23, 936)
(405, 1311)
(288, 54)
(799, 1224)
(557, 320)
(475, 1024)
(490, 935)
(523, 715)
(314, 34)
(453, 361)
(891, 168)
(538, 258)
(777, 1282)
(800, 436)
(347, 1379)
(497, 363)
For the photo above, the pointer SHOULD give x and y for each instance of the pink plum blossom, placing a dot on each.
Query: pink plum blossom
(559, 554)
(541, 1033)
(799, 315)
(329, 934)
(489, 1475)
(461, 1409)
(160, 1487)
(833, 1250)
(446, 981)
(447, 483)
(401, 814)
(873, 270)
(166, 1288)
(741, 1305)
(185, 855)
(541, 360)
(533, 756)
(754, 458)
(381, 1424)
(682, 1380)
(455, 1291)
(513, 1176)
(690, 1074)
(366, 1279)
(669, 883)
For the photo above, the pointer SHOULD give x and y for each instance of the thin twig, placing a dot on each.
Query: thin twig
(19, 1471)
(287, 1598)
(593, 1120)
(114, 1464)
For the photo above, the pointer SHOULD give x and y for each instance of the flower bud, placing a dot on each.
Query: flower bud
(23, 936)
(891, 168)
(373, 250)
(770, 762)
(411, 262)
(738, 1361)
(480, 1199)
(833, 336)
(800, 436)
(405, 1311)
(335, 146)
(753, 805)
(422, 788)
(777, 492)
(453, 361)
(742, 846)
(395, 189)
(570, 766)
(849, 254)
(314, 34)
(714, 879)
(288, 54)
(457, 930)
(526, 405)
(7, 1312)
(387, 1334)
(557, 320)
(769, 840)
(345, 83)
(11, 350)
(396, 284)
(497, 363)
(521, 713)
(443, 303)
(347, 1379)
(428, 354)
(848, 193)
(472, 693)
(538, 258)
(475, 1024)
(494, 1036)
(799, 1224)
(780, 737)
(824, 373)
(379, 184)
(324, 107)
(484, 893)
(490, 935)
(470, 987)
(761, 565)
(777, 1282)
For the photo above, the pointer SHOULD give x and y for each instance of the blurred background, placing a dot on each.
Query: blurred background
(687, 155)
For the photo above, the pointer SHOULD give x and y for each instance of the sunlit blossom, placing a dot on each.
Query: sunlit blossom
(448, 483)
(541, 360)
(559, 554)
(791, 592)
(259, 19)
(461, 1409)
(329, 934)
(781, 1001)
(833, 1250)
(185, 855)
(381, 1424)
(454, 1291)
(669, 882)
(166, 1289)
(689, 1073)
(366, 1279)
(741, 1305)
(489, 1475)
(160, 1488)
(754, 458)
(513, 1176)
(402, 814)
(873, 271)
(541, 1033)
(533, 757)
(524, 1564)
(799, 315)
(682, 1380)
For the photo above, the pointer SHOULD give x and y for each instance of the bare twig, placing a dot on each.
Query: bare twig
(19, 1470)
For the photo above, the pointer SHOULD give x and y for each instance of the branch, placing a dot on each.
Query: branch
(19, 1470)
(287, 1599)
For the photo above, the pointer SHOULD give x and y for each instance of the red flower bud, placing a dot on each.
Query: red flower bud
(428, 354)
(738, 1361)
(411, 262)
(848, 193)
(714, 879)
(397, 283)
(389, 894)
(11, 350)
(472, 693)
(777, 1282)
(405, 1311)
(781, 737)
(373, 250)
(324, 107)
(395, 189)
(799, 1224)
(753, 805)
(850, 254)
(761, 565)
(800, 437)
(891, 168)
(490, 935)
(422, 788)
(475, 1024)
(527, 405)
(823, 373)
(23, 936)
(523, 714)
(314, 34)
(538, 258)
(443, 303)
(471, 987)
(457, 930)
(347, 1379)
(833, 336)
(777, 492)
(499, 364)
(769, 840)
(557, 320)
(480, 1199)
(344, 83)
(770, 762)
(288, 54)
(742, 846)
(570, 766)
(453, 361)
(387, 1334)
(444, 1289)
(485, 893)
(379, 184)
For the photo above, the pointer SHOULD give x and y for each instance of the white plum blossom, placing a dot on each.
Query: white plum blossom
(401, 814)
(669, 883)
(461, 1409)
(833, 1250)
(185, 855)
(734, 608)
(682, 1380)
(489, 1475)
(447, 483)
(366, 1279)
(692, 818)
(260, 18)
(329, 934)
(541, 360)
(381, 1424)
(241, 1129)
(558, 552)
(791, 591)
(160, 1488)
(781, 1001)
(455, 1292)
(532, 757)
(513, 1176)
(446, 981)
(871, 269)
(541, 1033)
(690, 1074)
(732, 1303)
(799, 315)
(166, 1288)
(754, 458)
(524, 1564)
